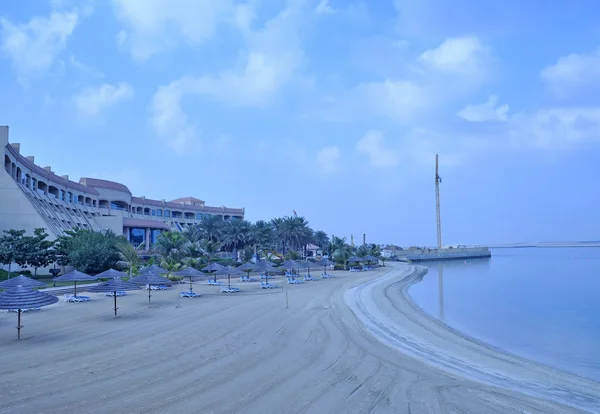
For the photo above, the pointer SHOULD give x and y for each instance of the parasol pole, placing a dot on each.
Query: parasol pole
(115, 297)
(19, 324)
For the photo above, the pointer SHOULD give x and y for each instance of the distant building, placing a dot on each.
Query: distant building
(32, 197)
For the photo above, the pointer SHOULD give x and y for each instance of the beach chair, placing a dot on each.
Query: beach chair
(308, 278)
(267, 285)
(217, 283)
(82, 298)
(226, 289)
(189, 294)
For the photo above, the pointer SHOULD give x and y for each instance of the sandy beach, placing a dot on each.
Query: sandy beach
(354, 344)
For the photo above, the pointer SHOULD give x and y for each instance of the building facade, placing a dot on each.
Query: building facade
(32, 197)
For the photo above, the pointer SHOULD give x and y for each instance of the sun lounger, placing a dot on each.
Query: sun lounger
(111, 294)
(215, 283)
(267, 285)
(292, 281)
(308, 278)
(225, 289)
(327, 275)
(189, 294)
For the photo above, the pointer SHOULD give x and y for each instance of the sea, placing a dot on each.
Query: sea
(539, 303)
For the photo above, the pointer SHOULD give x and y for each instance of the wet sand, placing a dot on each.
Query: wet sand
(250, 353)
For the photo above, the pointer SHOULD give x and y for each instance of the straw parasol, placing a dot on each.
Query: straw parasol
(75, 276)
(23, 281)
(355, 259)
(290, 264)
(308, 265)
(111, 274)
(191, 273)
(153, 269)
(150, 278)
(213, 267)
(266, 267)
(371, 258)
(21, 297)
(229, 270)
(114, 285)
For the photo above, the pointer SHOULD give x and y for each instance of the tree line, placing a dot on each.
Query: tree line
(212, 239)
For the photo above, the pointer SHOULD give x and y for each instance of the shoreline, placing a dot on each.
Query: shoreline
(405, 327)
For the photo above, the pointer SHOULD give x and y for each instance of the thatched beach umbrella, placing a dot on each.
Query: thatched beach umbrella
(308, 265)
(75, 276)
(370, 258)
(264, 266)
(247, 267)
(22, 281)
(213, 267)
(290, 264)
(114, 285)
(191, 273)
(229, 270)
(355, 259)
(21, 297)
(151, 279)
(153, 269)
(111, 274)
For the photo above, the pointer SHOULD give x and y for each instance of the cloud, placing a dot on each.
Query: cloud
(400, 100)
(489, 111)
(154, 26)
(328, 159)
(94, 100)
(34, 46)
(88, 70)
(572, 73)
(373, 146)
(272, 60)
(556, 128)
(466, 56)
(324, 8)
(168, 119)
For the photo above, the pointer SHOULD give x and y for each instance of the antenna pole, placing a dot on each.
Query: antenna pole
(437, 202)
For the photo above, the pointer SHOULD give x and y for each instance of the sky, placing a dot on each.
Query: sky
(335, 109)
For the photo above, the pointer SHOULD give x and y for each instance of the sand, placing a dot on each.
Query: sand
(250, 353)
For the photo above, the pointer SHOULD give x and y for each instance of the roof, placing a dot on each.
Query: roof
(188, 200)
(105, 184)
(154, 224)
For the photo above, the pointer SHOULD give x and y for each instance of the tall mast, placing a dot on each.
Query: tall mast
(438, 180)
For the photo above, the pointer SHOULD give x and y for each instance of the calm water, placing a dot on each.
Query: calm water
(540, 303)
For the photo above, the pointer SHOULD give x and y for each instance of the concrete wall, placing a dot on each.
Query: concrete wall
(445, 254)
(16, 211)
(114, 223)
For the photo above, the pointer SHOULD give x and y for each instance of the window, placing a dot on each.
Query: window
(137, 236)
(198, 216)
(167, 213)
(159, 213)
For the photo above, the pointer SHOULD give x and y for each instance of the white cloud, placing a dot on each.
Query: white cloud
(556, 128)
(34, 46)
(400, 100)
(153, 26)
(324, 8)
(88, 70)
(93, 100)
(273, 59)
(489, 111)
(466, 56)
(328, 159)
(169, 120)
(373, 146)
(573, 72)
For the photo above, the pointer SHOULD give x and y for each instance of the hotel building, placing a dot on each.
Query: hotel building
(32, 197)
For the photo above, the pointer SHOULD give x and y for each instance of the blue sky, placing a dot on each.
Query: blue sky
(334, 108)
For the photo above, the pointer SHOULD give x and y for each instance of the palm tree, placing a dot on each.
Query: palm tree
(210, 249)
(296, 232)
(278, 230)
(172, 245)
(262, 234)
(128, 256)
(363, 251)
(211, 227)
(342, 255)
(236, 234)
(321, 239)
(194, 233)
